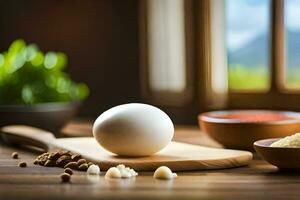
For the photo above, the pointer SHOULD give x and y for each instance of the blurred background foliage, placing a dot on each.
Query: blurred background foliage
(29, 76)
(242, 77)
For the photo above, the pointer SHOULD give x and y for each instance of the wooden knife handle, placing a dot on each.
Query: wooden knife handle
(27, 136)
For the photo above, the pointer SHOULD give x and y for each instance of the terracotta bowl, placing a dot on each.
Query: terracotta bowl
(239, 129)
(283, 158)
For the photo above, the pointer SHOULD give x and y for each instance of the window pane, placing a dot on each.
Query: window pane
(219, 70)
(166, 42)
(248, 38)
(292, 42)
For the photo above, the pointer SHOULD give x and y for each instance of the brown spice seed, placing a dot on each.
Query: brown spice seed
(63, 160)
(42, 163)
(15, 155)
(54, 156)
(76, 157)
(81, 161)
(42, 158)
(22, 164)
(68, 171)
(72, 165)
(50, 163)
(90, 163)
(83, 167)
(64, 152)
(65, 177)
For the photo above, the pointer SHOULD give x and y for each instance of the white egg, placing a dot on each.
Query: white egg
(133, 129)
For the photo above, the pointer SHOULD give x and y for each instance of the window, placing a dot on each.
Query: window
(166, 58)
(236, 53)
(248, 42)
(292, 43)
(276, 40)
(278, 75)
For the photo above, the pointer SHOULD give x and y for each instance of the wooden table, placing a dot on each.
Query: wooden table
(259, 180)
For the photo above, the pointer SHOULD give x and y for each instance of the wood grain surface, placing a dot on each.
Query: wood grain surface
(178, 156)
(259, 180)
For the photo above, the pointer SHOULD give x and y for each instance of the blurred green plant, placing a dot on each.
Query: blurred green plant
(28, 76)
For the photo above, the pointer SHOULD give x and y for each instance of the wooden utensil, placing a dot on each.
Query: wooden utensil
(283, 158)
(178, 156)
(233, 132)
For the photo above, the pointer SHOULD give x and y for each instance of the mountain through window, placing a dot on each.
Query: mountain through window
(292, 43)
(248, 42)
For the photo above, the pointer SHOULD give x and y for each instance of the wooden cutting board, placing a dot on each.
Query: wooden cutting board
(178, 156)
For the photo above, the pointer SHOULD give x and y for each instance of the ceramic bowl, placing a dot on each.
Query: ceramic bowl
(48, 116)
(239, 129)
(283, 158)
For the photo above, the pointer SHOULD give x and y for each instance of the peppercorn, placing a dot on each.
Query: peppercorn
(68, 171)
(22, 164)
(15, 155)
(65, 177)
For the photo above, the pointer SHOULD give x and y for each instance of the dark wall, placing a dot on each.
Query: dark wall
(100, 38)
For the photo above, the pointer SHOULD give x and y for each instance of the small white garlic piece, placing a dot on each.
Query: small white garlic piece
(133, 173)
(120, 172)
(93, 170)
(126, 172)
(164, 172)
(113, 172)
(121, 166)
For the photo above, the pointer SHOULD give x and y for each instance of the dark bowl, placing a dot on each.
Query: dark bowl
(239, 134)
(281, 157)
(48, 116)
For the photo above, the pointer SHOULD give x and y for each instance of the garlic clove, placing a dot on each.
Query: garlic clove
(113, 172)
(93, 170)
(164, 172)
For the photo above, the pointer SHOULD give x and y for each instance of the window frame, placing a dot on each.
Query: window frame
(278, 96)
(199, 95)
(166, 98)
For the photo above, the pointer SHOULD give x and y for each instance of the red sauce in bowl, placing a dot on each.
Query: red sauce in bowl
(255, 116)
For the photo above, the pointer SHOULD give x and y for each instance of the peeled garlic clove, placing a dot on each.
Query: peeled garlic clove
(164, 172)
(126, 174)
(121, 166)
(113, 172)
(93, 170)
(133, 173)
